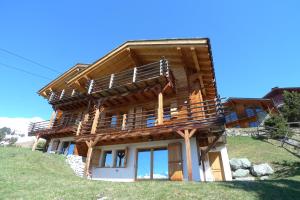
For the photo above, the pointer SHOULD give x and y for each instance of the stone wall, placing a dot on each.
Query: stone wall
(77, 163)
(241, 131)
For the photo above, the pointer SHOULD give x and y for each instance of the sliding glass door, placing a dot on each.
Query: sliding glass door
(152, 164)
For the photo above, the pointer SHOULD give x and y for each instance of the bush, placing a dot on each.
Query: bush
(41, 144)
(277, 125)
(12, 141)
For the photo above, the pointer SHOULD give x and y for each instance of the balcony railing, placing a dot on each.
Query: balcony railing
(69, 124)
(38, 126)
(63, 95)
(197, 114)
(129, 77)
(187, 115)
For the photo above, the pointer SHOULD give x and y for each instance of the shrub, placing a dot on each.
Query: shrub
(277, 125)
(41, 144)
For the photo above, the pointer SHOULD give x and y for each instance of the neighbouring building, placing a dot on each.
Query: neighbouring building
(276, 94)
(147, 110)
(247, 112)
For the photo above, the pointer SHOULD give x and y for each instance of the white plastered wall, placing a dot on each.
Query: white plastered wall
(128, 174)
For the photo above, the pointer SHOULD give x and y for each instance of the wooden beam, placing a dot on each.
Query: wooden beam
(88, 161)
(210, 147)
(35, 143)
(160, 109)
(180, 133)
(133, 57)
(188, 154)
(96, 118)
(52, 118)
(195, 58)
(192, 132)
(79, 86)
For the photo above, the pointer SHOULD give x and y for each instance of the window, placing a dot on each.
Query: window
(65, 147)
(250, 112)
(113, 122)
(232, 116)
(167, 114)
(107, 159)
(55, 145)
(253, 124)
(120, 158)
(150, 119)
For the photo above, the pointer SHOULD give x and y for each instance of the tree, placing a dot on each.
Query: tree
(3, 132)
(12, 141)
(291, 107)
(277, 125)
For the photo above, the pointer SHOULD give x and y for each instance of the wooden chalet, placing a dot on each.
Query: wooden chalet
(148, 109)
(247, 112)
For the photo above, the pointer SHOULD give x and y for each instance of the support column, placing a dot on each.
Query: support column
(35, 143)
(188, 154)
(52, 118)
(91, 144)
(160, 109)
(88, 160)
(96, 119)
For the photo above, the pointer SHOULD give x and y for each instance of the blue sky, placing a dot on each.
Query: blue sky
(255, 44)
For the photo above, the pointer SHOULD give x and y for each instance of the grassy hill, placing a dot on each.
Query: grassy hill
(34, 175)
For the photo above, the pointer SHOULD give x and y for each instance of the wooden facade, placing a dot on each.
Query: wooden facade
(247, 112)
(142, 91)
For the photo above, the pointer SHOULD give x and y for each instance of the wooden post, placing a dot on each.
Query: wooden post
(91, 87)
(111, 82)
(35, 143)
(53, 115)
(62, 94)
(160, 109)
(130, 118)
(124, 121)
(96, 119)
(88, 158)
(188, 154)
(79, 128)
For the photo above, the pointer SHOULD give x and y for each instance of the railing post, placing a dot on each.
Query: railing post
(73, 92)
(134, 75)
(161, 67)
(111, 80)
(91, 86)
(160, 110)
(51, 96)
(62, 94)
(164, 67)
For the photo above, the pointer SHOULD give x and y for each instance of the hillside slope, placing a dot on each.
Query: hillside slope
(34, 175)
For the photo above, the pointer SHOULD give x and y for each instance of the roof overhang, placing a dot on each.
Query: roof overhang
(150, 44)
(63, 78)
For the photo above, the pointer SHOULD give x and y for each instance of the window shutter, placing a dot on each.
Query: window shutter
(96, 157)
(126, 157)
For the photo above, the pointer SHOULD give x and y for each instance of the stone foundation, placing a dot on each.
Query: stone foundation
(77, 163)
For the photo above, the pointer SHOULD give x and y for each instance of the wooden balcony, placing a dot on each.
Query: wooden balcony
(62, 127)
(66, 96)
(144, 125)
(130, 80)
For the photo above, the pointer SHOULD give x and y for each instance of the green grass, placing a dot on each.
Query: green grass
(34, 175)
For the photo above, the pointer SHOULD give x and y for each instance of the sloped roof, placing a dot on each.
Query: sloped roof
(276, 90)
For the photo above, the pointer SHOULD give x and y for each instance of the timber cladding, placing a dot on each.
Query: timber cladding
(142, 91)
